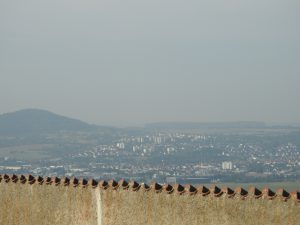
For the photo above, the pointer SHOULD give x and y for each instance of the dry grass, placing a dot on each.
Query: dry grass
(24, 204)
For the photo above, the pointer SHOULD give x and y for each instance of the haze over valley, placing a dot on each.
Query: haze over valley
(196, 91)
(153, 112)
(40, 142)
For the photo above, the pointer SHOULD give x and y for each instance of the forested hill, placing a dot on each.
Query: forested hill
(33, 121)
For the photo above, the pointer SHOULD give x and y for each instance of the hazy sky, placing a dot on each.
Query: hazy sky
(130, 62)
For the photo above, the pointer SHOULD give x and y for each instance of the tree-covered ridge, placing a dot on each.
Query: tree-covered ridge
(29, 121)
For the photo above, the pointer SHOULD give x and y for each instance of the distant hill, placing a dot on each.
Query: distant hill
(208, 125)
(33, 121)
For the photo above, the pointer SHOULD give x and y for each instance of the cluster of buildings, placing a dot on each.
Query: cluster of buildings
(174, 156)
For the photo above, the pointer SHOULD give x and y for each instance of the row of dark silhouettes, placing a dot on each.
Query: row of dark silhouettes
(215, 191)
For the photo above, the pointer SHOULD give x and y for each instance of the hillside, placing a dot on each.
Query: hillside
(34, 121)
